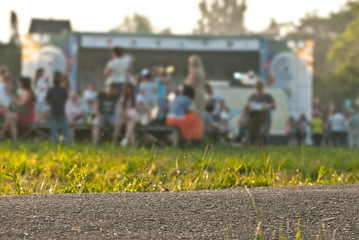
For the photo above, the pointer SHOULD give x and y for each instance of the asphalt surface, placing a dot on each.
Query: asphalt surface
(325, 211)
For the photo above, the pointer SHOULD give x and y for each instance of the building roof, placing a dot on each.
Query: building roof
(50, 26)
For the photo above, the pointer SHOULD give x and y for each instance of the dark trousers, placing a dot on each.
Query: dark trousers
(338, 138)
(59, 123)
(317, 139)
(259, 126)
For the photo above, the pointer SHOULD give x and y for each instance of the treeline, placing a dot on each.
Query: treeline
(336, 54)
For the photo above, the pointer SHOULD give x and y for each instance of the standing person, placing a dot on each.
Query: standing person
(22, 110)
(354, 130)
(303, 130)
(337, 128)
(128, 116)
(3, 73)
(5, 93)
(258, 109)
(148, 89)
(42, 86)
(56, 98)
(291, 131)
(197, 80)
(117, 69)
(105, 108)
(317, 130)
(163, 79)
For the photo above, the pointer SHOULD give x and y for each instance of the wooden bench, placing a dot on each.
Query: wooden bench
(160, 134)
(163, 135)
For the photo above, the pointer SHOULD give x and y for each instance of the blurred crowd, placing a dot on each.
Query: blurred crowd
(329, 126)
(125, 100)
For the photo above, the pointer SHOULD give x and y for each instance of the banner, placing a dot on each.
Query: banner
(53, 52)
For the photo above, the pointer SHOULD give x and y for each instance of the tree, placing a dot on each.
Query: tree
(136, 23)
(323, 31)
(344, 57)
(222, 17)
(273, 30)
(14, 38)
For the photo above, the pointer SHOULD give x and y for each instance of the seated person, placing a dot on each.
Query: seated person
(149, 91)
(22, 109)
(5, 92)
(128, 115)
(73, 109)
(105, 108)
(180, 115)
(225, 126)
(214, 102)
(90, 96)
(143, 109)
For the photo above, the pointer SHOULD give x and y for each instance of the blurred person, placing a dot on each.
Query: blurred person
(196, 79)
(214, 103)
(225, 126)
(291, 131)
(4, 71)
(105, 110)
(337, 128)
(181, 114)
(354, 129)
(258, 109)
(243, 128)
(66, 83)
(74, 110)
(90, 96)
(5, 93)
(22, 109)
(162, 80)
(128, 116)
(303, 130)
(56, 98)
(117, 68)
(317, 130)
(42, 86)
(148, 89)
(138, 81)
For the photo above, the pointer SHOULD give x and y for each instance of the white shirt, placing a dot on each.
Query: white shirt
(216, 98)
(4, 98)
(119, 67)
(89, 95)
(42, 87)
(149, 91)
(337, 122)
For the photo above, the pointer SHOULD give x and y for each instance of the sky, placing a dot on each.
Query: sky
(180, 15)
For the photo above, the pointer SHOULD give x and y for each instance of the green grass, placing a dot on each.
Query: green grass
(40, 167)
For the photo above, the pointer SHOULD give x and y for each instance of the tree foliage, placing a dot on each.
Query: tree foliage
(134, 24)
(222, 17)
(344, 58)
(323, 31)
